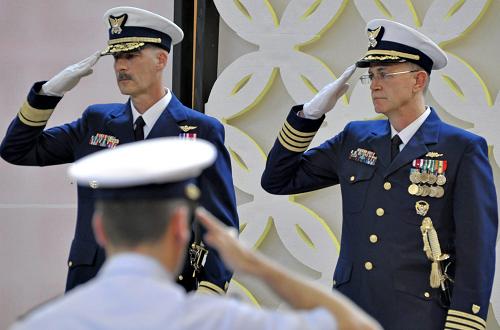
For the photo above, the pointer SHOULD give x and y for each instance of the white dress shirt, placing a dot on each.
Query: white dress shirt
(407, 133)
(153, 113)
(133, 291)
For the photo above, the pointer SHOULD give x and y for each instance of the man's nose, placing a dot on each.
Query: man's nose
(120, 64)
(375, 83)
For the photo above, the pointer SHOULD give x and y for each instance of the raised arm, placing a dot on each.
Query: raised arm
(297, 292)
(26, 141)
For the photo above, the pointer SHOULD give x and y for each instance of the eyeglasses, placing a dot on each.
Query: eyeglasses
(366, 79)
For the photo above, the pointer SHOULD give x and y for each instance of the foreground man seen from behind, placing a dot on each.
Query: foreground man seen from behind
(142, 221)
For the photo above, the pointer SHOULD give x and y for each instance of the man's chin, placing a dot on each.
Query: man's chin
(378, 107)
(124, 91)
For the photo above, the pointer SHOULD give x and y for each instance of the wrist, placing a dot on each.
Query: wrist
(47, 92)
(266, 270)
(305, 115)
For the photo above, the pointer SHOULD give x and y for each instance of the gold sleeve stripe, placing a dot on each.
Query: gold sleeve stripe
(472, 324)
(296, 137)
(298, 133)
(290, 147)
(29, 123)
(34, 117)
(205, 290)
(205, 285)
(453, 326)
(293, 142)
(468, 316)
(392, 53)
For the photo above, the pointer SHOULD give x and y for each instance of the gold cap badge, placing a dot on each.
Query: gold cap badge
(192, 192)
(372, 36)
(117, 23)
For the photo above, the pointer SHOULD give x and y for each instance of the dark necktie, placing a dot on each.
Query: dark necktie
(139, 129)
(395, 142)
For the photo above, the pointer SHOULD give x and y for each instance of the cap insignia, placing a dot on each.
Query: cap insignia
(374, 36)
(117, 23)
(192, 192)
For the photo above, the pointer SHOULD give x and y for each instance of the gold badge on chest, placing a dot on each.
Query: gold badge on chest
(187, 128)
(188, 132)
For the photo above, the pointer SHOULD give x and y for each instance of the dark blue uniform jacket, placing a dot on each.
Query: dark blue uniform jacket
(382, 265)
(27, 142)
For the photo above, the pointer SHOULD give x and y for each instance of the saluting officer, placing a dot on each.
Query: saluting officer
(419, 204)
(140, 42)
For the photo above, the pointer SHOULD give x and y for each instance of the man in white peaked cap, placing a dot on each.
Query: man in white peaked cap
(418, 198)
(140, 42)
(142, 220)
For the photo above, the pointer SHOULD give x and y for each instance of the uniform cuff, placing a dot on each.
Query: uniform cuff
(297, 132)
(39, 101)
(464, 321)
(37, 109)
(208, 287)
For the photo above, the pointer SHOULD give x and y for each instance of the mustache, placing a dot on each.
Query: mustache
(123, 76)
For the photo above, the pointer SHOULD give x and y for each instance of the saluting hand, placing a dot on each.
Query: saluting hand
(224, 239)
(326, 98)
(69, 77)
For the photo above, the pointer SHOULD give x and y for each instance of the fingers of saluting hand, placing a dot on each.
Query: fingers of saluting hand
(347, 73)
(85, 66)
(217, 234)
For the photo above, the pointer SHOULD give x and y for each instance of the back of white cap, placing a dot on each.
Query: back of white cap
(149, 163)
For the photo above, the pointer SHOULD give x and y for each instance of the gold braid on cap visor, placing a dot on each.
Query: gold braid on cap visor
(380, 55)
(128, 44)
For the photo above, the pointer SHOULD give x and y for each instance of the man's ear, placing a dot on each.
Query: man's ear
(162, 59)
(98, 227)
(179, 225)
(421, 80)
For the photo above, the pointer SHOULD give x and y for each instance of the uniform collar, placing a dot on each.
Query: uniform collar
(407, 133)
(129, 263)
(152, 114)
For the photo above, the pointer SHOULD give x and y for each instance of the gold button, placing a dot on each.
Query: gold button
(373, 238)
(368, 265)
(352, 178)
(334, 282)
(427, 294)
(181, 278)
(70, 263)
(380, 211)
(387, 186)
